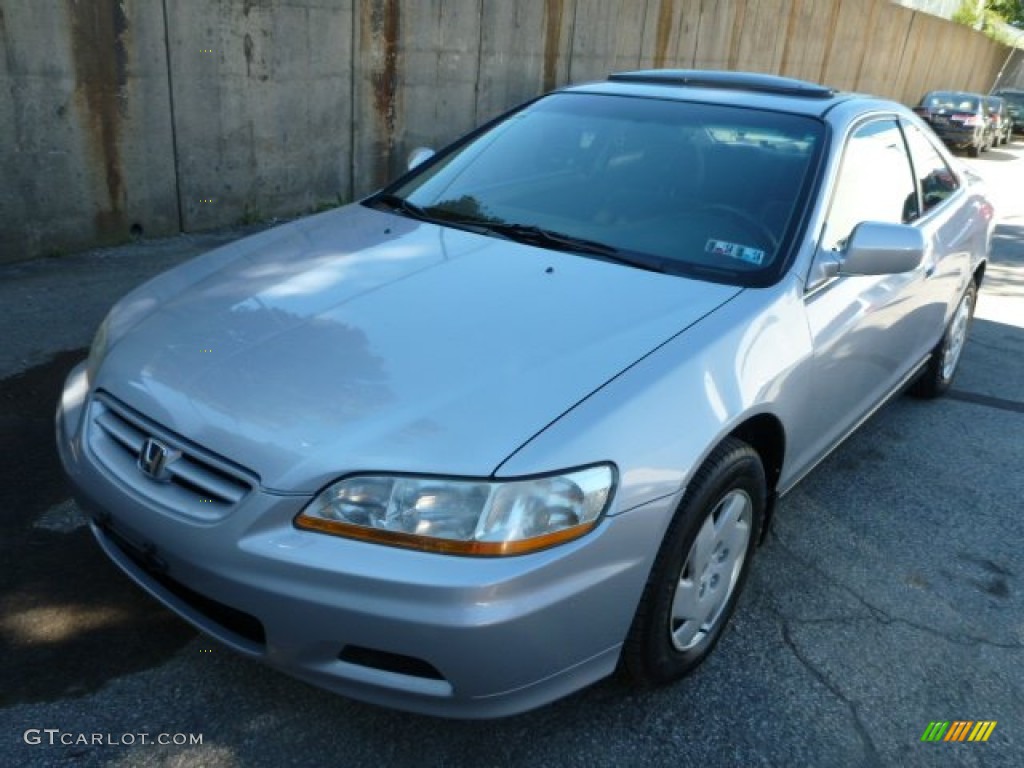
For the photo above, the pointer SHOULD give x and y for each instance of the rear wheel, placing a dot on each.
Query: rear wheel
(937, 376)
(700, 569)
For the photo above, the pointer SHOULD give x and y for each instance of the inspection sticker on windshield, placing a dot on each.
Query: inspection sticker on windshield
(735, 250)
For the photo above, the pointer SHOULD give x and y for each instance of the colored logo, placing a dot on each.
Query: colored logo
(959, 730)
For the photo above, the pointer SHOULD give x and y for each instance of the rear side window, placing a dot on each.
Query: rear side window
(954, 101)
(936, 181)
(875, 183)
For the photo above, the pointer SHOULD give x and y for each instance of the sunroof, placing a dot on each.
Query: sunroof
(741, 81)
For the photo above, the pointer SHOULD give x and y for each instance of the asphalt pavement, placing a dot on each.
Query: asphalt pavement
(887, 596)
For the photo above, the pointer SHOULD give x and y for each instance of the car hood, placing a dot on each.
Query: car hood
(361, 340)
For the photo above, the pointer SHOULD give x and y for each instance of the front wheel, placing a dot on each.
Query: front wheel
(938, 374)
(700, 568)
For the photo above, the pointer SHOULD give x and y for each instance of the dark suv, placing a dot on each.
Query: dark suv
(1014, 99)
(999, 116)
(959, 118)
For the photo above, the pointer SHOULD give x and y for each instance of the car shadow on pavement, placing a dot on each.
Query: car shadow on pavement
(999, 155)
(69, 620)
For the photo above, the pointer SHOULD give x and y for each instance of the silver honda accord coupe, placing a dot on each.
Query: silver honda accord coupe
(520, 419)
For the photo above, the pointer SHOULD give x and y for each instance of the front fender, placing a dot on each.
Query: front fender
(660, 418)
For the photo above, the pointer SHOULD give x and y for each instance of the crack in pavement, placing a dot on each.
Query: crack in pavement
(785, 624)
(880, 615)
(873, 756)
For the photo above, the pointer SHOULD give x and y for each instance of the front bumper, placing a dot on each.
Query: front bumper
(438, 634)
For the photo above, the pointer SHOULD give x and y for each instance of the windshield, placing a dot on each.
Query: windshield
(679, 187)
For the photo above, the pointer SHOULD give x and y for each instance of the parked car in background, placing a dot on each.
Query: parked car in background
(1002, 122)
(1014, 99)
(959, 118)
(521, 418)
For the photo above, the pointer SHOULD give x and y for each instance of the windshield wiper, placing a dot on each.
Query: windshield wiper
(522, 233)
(413, 211)
(400, 205)
(534, 235)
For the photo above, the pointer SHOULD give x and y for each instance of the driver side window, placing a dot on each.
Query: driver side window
(875, 183)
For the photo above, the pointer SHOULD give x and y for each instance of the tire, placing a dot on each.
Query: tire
(700, 568)
(973, 151)
(938, 375)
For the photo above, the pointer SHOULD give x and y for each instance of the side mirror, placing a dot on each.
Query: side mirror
(875, 248)
(418, 156)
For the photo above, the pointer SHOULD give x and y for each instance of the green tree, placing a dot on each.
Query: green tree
(1011, 11)
(969, 14)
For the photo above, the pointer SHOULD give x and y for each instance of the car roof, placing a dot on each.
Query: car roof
(749, 89)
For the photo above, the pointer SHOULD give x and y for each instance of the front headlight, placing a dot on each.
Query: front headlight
(467, 517)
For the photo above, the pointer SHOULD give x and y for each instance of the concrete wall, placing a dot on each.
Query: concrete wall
(262, 106)
(146, 117)
(85, 124)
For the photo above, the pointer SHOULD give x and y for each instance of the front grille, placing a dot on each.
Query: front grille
(195, 483)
